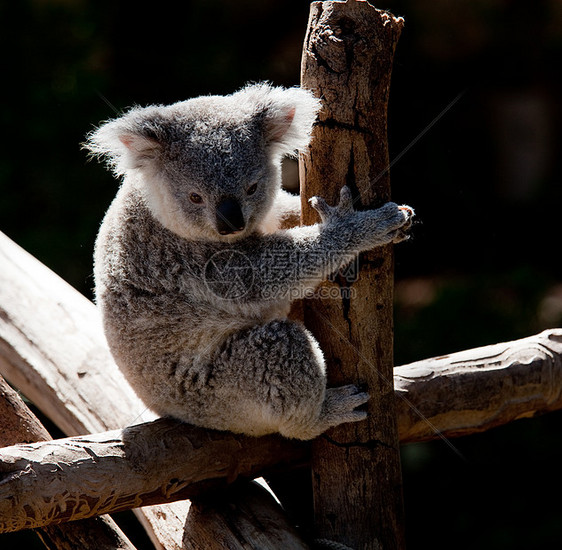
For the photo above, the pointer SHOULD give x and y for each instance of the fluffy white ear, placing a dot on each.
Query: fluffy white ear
(126, 143)
(288, 115)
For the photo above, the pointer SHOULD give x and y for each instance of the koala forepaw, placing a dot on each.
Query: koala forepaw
(402, 233)
(327, 212)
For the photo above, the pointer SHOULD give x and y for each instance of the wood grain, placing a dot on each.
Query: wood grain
(347, 61)
(472, 391)
(152, 463)
(19, 424)
(260, 521)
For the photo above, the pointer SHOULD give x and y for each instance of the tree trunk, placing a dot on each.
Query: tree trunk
(19, 424)
(347, 61)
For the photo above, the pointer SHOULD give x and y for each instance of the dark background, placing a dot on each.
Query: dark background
(474, 125)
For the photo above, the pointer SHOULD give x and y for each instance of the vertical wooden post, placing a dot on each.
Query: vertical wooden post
(347, 61)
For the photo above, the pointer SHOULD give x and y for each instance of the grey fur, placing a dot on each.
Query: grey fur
(197, 320)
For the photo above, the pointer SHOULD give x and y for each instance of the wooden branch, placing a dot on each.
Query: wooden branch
(52, 349)
(257, 515)
(152, 463)
(347, 61)
(494, 385)
(166, 460)
(19, 424)
(475, 390)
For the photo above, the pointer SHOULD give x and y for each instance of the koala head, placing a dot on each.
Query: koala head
(209, 167)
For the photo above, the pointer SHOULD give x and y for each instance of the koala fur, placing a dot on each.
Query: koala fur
(194, 276)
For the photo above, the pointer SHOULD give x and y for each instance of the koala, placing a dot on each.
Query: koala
(195, 274)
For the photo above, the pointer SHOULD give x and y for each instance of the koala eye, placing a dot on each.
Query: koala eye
(252, 189)
(195, 198)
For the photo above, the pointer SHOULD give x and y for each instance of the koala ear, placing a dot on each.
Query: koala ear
(287, 115)
(127, 143)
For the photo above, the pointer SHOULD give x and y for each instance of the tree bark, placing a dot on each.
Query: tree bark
(458, 394)
(347, 61)
(153, 463)
(260, 522)
(19, 424)
(472, 391)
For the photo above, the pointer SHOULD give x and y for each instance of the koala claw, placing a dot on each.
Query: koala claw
(340, 404)
(409, 214)
(328, 212)
(402, 233)
(321, 206)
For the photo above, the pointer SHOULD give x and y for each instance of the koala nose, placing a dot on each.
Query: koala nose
(229, 217)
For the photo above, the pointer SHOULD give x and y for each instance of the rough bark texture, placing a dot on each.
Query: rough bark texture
(458, 394)
(260, 522)
(19, 424)
(153, 463)
(347, 61)
(475, 390)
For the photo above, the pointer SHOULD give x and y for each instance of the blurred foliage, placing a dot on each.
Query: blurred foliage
(474, 128)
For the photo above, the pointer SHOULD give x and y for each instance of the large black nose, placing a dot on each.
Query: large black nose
(229, 217)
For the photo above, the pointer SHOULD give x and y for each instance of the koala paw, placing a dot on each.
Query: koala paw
(327, 212)
(340, 404)
(408, 217)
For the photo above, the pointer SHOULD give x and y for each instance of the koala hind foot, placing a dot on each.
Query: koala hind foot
(339, 406)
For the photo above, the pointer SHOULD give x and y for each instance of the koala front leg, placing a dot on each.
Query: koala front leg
(388, 224)
(293, 262)
(271, 378)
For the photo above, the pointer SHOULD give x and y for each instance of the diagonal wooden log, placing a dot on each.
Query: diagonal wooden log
(472, 391)
(347, 61)
(19, 424)
(454, 395)
(152, 463)
(458, 394)
(253, 510)
(495, 384)
(52, 349)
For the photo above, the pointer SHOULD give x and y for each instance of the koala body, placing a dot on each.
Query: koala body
(195, 278)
